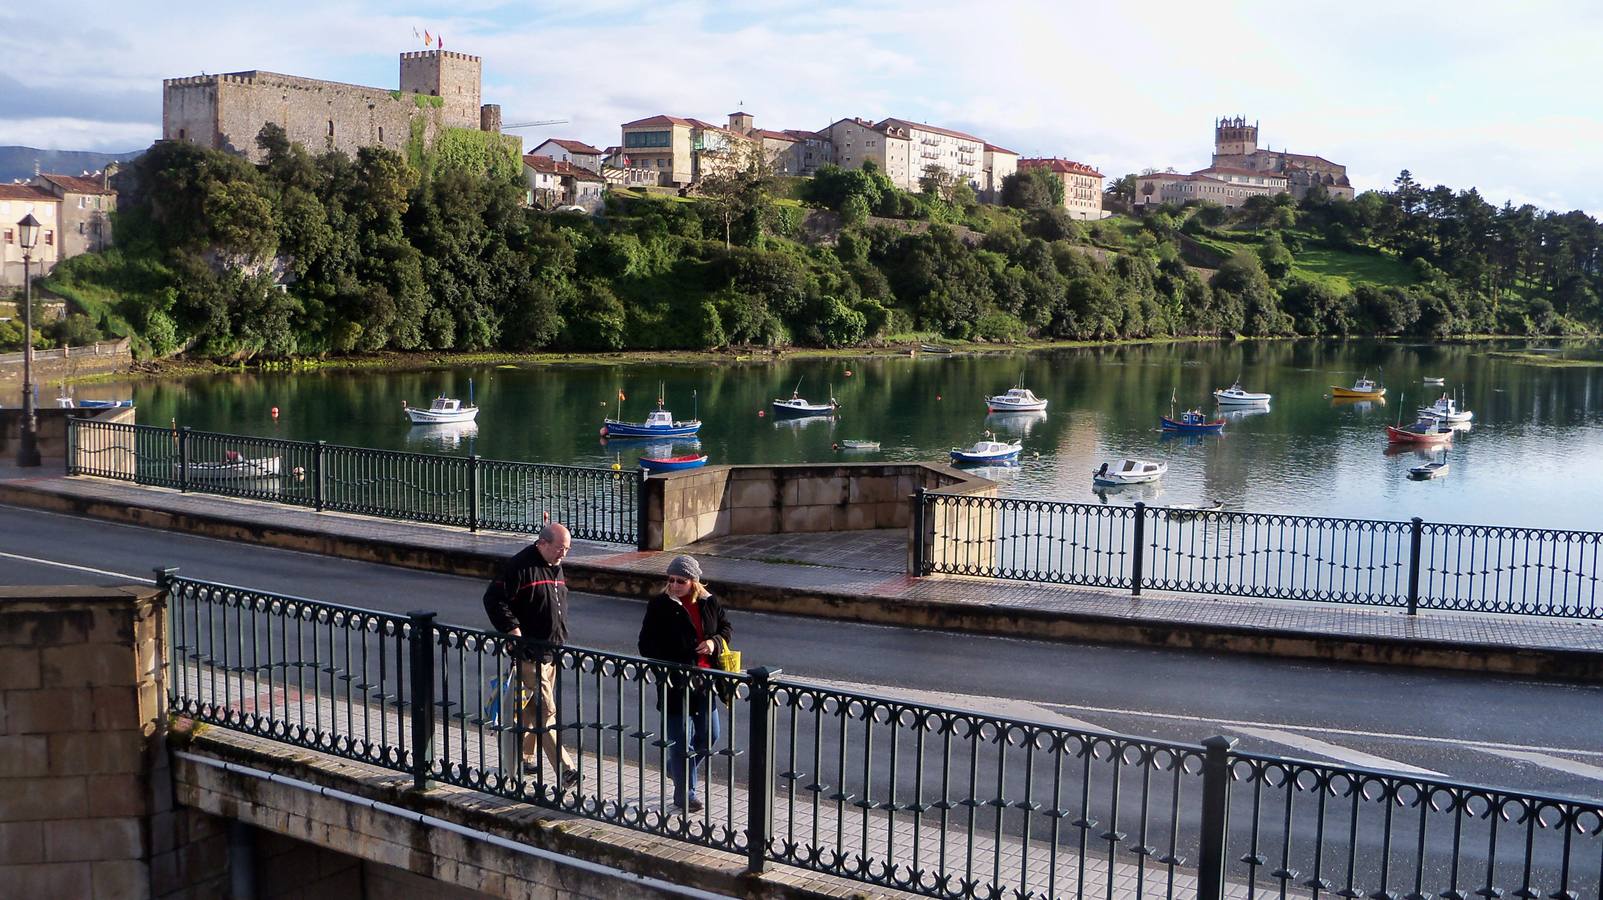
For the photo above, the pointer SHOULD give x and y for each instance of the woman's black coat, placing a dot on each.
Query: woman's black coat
(667, 634)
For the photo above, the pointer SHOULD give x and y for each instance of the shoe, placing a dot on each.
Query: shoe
(694, 805)
(569, 780)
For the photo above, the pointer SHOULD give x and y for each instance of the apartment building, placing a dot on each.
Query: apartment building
(577, 153)
(1173, 187)
(1082, 185)
(18, 201)
(681, 151)
(890, 148)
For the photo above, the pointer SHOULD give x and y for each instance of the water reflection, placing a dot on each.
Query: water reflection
(1018, 424)
(1238, 413)
(445, 437)
(1127, 494)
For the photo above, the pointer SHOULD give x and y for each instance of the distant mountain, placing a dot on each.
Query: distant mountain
(18, 162)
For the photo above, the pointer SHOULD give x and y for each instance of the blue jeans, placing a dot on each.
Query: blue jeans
(705, 731)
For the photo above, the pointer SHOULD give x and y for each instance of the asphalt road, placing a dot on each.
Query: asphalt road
(1524, 734)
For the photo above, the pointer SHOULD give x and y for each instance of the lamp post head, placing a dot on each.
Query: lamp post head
(28, 232)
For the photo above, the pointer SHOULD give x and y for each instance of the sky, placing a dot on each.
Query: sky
(1498, 96)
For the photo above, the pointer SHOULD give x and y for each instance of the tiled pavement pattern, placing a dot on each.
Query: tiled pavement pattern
(880, 550)
(1452, 630)
(634, 786)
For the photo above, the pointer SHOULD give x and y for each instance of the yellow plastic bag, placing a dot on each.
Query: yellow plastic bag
(728, 660)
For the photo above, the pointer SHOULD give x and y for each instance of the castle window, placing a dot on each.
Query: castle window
(330, 127)
(183, 134)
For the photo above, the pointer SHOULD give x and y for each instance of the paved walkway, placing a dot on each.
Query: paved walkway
(864, 581)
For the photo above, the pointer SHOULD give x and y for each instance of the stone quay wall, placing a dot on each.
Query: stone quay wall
(51, 367)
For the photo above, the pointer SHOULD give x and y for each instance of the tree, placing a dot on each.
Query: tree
(1121, 188)
(738, 188)
(1032, 189)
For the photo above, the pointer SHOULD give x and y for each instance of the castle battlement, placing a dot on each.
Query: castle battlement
(440, 54)
(188, 81)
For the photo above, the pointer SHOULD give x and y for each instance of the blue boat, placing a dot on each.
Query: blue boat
(1192, 422)
(672, 463)
(987, 453)
(659, 423)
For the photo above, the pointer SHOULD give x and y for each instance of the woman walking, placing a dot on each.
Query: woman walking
(686, 624)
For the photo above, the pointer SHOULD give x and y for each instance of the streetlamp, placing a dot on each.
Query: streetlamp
(28, 447)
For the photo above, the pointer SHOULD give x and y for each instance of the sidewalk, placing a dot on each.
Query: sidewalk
(864, 582)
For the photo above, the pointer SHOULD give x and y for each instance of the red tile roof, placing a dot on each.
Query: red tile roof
(1062, 166)
(574, 146)
(992, 148)
(909, 124)
(800, 135)
(551, 166)
(1178, 176)
(77, 184)
(659, 120)
(26, 192)
(1232, 170)
(774, 135)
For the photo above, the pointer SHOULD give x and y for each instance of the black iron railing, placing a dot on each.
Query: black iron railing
(942, 802)
(1413, 565)
(465, 491)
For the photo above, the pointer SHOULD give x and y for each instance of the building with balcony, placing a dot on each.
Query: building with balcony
(1082, 185)
(681, 151)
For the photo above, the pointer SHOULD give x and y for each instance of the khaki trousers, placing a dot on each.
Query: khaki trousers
(540, 712)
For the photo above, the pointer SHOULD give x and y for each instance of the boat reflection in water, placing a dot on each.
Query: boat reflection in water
(1014, 423)
(1358, 404)
(797, 424)
(1238, 413)
(1127, 494)
(444, 437)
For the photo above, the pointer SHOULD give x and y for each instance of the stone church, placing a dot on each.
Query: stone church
(1235, 146)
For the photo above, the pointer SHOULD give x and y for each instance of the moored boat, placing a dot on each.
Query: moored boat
(1017, 399)
(859, 445)
(1362, 389)
(1428, 379)
(672, 463)
(69, 403)
(1424, 431)
(988, 452)
(659, 423)
(934, 348)
(1428, 470)
(1236, 395)
(1191, 421)
(1447, 411)
(234, 467)
(1129, 471)
(799, 408)
(443, 410)
(1192, 510)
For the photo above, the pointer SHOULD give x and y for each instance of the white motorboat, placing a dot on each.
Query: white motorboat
(1018, 399)
(859, 445)
(1433, 380)
(1236, 395)
(1129, 471)
(443, 410)
(798, 407)
(1428, 470)
(1446, 410)
(1192, 510)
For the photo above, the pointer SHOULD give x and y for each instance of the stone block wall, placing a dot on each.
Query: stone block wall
(52, 436)
(51, 367)
(685, 507)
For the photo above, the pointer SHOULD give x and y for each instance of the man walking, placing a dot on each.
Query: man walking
(529, 599)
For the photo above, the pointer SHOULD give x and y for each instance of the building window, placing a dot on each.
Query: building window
(330, 127)
(381, 134)
(647, 139)
(8, 236)
(81, 228)
(50, 238)
(183, 134)
(83, 202)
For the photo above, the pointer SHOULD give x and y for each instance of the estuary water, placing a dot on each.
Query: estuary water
(1533, 457)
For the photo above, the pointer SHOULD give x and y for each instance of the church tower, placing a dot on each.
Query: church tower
(1233, 137)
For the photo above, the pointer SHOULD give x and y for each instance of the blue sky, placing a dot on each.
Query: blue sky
(1499, 96)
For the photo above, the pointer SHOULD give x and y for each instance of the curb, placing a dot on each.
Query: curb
(997, 620)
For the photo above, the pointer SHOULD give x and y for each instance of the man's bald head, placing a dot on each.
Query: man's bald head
(554, 542)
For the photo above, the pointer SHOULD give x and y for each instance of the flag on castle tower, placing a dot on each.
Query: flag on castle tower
(428, 41)
(416, 35)
(439, 43)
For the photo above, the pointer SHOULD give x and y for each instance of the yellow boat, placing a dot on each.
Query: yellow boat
(1362, 389)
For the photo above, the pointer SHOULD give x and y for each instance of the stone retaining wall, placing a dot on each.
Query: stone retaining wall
(52, 436)
(50, 367)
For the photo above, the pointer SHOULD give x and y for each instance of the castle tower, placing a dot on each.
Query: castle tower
(454, 77)
(740, 122)
(1233, 137)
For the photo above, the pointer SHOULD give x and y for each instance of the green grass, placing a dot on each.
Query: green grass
(1344, 270)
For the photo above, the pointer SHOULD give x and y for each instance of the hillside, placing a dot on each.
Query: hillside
(17, 163)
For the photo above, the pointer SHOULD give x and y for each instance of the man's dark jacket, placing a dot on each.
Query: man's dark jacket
(529, 594)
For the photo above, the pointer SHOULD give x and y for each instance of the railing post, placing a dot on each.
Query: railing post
(318, 458)
(473, 492)
(919, 501)
(72, 445)
(1215, 818)
(1416, 533)
(422, 693)
(183, 458)
(642, 519)
(1138, 554)
(760, 769)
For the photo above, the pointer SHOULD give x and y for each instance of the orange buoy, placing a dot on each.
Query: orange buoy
(848, 373)
(937, 396)
(603, 431)
(761, 413)
(275, 412)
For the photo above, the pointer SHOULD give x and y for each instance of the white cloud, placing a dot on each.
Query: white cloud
(1486, 94)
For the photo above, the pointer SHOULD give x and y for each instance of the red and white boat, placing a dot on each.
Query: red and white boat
(1425, 431)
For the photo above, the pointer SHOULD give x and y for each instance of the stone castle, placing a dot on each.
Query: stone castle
(1235, 146)
(439, 89)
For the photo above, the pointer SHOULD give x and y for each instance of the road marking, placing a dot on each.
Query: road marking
(62, 565)
(1569, 766)
(1344, 732)
(1002, 707)
(1336, 751)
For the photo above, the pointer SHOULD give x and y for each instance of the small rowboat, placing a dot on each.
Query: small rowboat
(933, 348)
(987, 453)
(1428, 471)
(235, 467)
(1437, 381)
(859, 445)
(1425, 431)
(1191, 422)
(1235, 395)
(672, 463)
(69, 403)
(1192, 510)
(441, 411)
(1130, 471)
(1362, 389)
